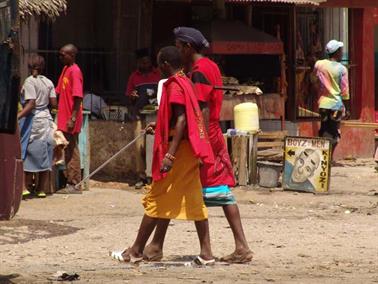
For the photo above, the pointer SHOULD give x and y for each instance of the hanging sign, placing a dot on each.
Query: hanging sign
(307, 164)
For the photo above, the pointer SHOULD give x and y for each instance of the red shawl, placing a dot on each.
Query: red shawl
(196, 129)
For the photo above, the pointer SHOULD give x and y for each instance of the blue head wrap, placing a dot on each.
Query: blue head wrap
(192, 36)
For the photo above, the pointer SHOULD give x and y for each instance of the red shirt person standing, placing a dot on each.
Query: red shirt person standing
(142, 84)
(70, 117)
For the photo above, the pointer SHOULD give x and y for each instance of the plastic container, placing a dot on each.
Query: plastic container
(246, 117)
(269, 174)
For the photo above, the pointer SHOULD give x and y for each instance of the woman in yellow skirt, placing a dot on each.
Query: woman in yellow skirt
(180, 145)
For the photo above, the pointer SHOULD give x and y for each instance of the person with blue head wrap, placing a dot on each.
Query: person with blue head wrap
(192, 36)
(216, 179)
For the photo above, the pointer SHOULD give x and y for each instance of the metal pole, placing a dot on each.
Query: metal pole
(110, 159)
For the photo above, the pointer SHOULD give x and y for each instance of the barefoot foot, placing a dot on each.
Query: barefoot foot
(152, 253)
(238, 256)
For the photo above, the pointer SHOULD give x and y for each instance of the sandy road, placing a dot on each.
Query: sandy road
(297, 238)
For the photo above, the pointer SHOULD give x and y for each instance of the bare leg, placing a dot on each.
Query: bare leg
(203, 233)
(43, 182)
(233, 217)
(72, 159)
(154, 250)
(145, 230)
(28, 177)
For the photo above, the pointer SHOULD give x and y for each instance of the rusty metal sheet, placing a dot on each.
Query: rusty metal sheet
(11, 175)
(11, 167)
(296, 2)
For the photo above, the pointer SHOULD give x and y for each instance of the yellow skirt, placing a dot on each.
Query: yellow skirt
(179, 194)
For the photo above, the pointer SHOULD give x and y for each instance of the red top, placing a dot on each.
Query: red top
(205, 75)
(70, 85)
(179, 90)
(138, 79)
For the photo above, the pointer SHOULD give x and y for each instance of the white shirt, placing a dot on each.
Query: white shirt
(41, 90)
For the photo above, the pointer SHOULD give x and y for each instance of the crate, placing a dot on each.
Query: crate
(270, 146)
(243, 153)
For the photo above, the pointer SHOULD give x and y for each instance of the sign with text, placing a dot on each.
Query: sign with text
(307, 164)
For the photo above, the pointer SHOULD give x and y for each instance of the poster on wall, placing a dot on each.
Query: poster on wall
(307, 164)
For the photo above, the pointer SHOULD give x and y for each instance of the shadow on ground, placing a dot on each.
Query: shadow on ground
(7, 279)
(19, 231)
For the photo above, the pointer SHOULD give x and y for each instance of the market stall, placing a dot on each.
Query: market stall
(250, 61)
(253, 59)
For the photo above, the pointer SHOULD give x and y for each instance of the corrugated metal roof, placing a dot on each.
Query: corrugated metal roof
(296, 2)
(47, 8)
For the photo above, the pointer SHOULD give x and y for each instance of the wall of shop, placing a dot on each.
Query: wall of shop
(376, 61)
(107, 33)
(354, 143)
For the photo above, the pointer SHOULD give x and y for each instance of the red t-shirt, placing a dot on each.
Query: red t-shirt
(138, 79)
(70, 85)
(176, 94)
(205, 75)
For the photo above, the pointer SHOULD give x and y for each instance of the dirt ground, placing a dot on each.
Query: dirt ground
(296, 237)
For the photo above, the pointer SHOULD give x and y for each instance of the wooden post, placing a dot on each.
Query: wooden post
(291, 60)
(243, 162)
(87, 165)
(252, 159)
(239, 159)
(85, 155)
(149, 145)
(235, 146)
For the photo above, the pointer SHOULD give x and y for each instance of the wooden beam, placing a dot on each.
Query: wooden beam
(359, 124)
(270, 144)
(273, 135)
(350, 3)
(291, 64)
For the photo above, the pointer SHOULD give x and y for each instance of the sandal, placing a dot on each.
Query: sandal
(69, 189)
(154, 258)
(118, 255)
(202, 262)
(25, 193)
(40, 194)
(238, 258)
(150, 256)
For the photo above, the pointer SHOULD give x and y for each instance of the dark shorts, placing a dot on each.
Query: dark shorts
(330, 124)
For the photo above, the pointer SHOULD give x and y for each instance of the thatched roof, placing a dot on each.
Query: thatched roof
(44, 8)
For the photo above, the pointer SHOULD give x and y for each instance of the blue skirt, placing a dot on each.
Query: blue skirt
(39, 156)
(37, 143)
